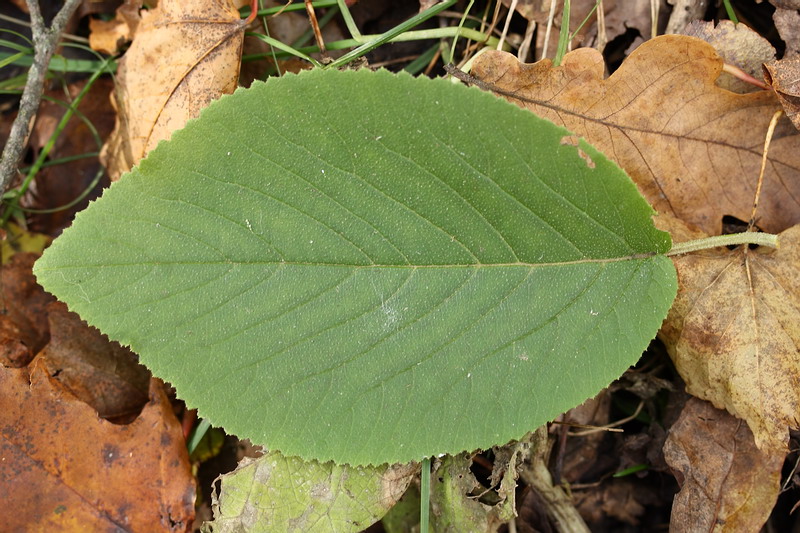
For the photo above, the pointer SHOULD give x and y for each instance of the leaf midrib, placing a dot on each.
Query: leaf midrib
(632, 257)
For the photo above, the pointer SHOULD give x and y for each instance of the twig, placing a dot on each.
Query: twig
(45, 41)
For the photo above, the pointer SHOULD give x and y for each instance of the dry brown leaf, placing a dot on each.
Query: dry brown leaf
(693, 148)
(23, 320)
(97, 371)
(727, 483)
(64, 469)
(185, 54)
(619, 499)
(784, 77)
(787, 22)
(108, 36)
(734, 333)
(536, 10)
(737, 45)
(629, 19)
(59, 185)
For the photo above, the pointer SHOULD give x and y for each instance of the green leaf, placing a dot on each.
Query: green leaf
(367, 267)
(277, 493)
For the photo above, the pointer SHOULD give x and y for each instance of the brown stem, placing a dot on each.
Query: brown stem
(45, 41)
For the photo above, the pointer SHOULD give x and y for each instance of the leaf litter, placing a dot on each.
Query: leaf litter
(134, 476)
(728, 484)
(183, 56)
(694, 151)
(708, 222)
(693, 148)
(57, 439)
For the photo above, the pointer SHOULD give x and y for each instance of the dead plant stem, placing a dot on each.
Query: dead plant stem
(770, 131)
(45, 41)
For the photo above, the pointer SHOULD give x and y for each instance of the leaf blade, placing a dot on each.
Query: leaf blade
(352, 287)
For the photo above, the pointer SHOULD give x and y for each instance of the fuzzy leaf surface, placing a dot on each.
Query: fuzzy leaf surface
(367, 268)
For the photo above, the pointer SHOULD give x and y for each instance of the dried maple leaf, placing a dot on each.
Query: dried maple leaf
(185, 54)
(693, 148)
(727, 484)
(734, 333)
(65, 469)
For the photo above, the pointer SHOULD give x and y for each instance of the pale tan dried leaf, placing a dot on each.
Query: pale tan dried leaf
(185, 54)
(693, 148)
(734, 333)
(727, 483)
(108, 36)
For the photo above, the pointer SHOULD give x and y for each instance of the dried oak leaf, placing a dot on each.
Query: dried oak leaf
(184, 55)
(734, 333)
(99, 372)
(737, 45)
(693, 148)
(784, 77)
(64, 469)
(727, 483)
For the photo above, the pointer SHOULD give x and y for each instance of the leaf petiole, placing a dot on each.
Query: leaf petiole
(734, 239)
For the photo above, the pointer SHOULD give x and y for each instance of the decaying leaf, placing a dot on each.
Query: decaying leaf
(99, 372)
(185, 55)
(784, 77)
(65, 469)
(23, 322)
(734, 333)
(728, 484)
(693, 148)
(15, 240)
(51, 191)
(452, 507)
(739, 46)
(279, 493)
(108, 36)
(787, 22)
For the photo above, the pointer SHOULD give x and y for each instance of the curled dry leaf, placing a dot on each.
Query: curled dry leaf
(727, 483)
(185, 55)
(784, 77)
(65, 469)
(734, 333)
(693, 148)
